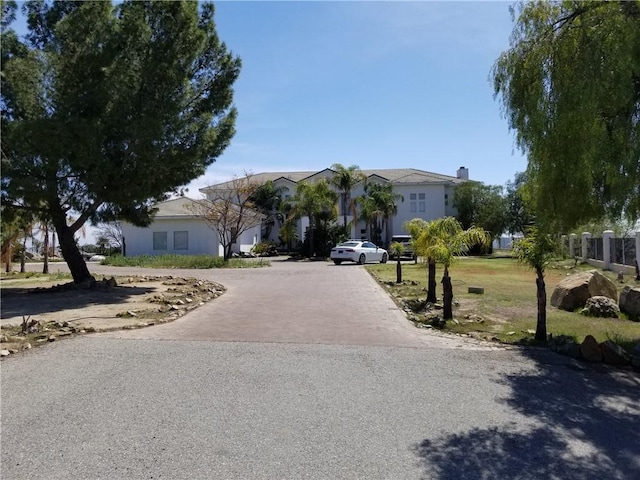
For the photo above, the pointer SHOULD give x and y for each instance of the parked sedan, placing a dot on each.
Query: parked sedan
(359, 252)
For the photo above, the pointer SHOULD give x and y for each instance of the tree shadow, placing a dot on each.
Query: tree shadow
(585, 423)
(18, 302)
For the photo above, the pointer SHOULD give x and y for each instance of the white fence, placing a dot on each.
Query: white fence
(607, 252)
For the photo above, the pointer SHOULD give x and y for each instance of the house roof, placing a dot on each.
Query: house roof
(176, 207)
(393, 175)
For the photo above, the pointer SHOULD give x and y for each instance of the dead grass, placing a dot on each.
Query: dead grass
(508, 305)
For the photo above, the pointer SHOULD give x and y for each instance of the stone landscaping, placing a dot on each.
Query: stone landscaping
(111, 304)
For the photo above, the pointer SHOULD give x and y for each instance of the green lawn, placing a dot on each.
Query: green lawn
(508, 305)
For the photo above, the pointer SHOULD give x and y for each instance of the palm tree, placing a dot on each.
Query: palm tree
(267, 199)
(537, 250)
(319, 202)
(397, 249)
(443, 241)
(416, 227)
(344, 180)
(378, 205)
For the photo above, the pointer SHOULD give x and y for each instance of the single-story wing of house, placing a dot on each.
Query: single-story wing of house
(176, 229)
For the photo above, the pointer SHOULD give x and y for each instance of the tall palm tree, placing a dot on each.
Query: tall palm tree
(443, 241)
(267, 199)
(344, 180)
(378, 205)
(319, 202)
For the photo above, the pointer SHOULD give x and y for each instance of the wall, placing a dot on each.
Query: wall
(202, 240)
(434, 204)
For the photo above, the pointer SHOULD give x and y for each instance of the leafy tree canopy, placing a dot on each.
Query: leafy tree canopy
(482, 206)
(106, 109)
(570, 88)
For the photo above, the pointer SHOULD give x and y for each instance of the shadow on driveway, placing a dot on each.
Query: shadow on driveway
(586, 425)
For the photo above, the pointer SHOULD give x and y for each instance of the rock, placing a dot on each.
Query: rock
(599, 306)
(4, 353)
(573, 291)
(590, 350)
(90, 330)
(3, 339)
(630, 302)
(570, 349)
(476, 290)
(51, 338)
(635, 362)
(614, 354)
(26, 346)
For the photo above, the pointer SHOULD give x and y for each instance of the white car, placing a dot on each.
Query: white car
(359, 252)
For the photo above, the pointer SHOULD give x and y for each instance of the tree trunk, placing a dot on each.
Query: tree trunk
(311, 232)
(344, 209)
(398, 271)
(447, 290)
(431, 281)
(23, 255)
(8, 265)
(70, 251)
(45, 266)
(541, 326)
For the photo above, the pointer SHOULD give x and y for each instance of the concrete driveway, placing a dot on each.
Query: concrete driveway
(300, 302)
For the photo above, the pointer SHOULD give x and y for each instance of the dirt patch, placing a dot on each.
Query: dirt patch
(36, 311)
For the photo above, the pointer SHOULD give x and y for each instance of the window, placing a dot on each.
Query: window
(421, 196)
(446, 199)
(412, 196)
(412, 207)
(159, 240)
(181, 240)
(421, 206)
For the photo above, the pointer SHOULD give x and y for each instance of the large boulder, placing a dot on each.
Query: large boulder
(599, 306)
(573, 291)
(590, 350)
(630, 302)
(614, 354)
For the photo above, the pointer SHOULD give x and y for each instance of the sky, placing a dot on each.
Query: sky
(375, 84)
(396, 84)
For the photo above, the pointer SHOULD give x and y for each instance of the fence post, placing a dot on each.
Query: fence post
(572, 249)
(607, 237)
(585, 240)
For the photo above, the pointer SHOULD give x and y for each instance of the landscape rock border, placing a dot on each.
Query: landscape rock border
(183, 295)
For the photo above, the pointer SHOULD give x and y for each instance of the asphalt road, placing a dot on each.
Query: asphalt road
(286, 376)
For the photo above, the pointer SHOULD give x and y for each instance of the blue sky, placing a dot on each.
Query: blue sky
(376, 84)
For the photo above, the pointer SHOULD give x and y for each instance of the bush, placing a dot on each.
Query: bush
(181, 261)
(265, 249)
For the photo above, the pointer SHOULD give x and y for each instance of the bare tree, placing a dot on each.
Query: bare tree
(112, 233)
(230, 210)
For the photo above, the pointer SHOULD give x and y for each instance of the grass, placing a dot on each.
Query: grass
(183, 261)
(508, 306)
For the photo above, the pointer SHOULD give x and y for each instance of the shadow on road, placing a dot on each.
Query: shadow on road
(586, 425)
